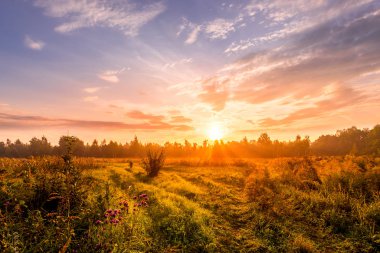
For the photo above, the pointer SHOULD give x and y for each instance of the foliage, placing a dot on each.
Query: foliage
(48, 207)
(351, 141)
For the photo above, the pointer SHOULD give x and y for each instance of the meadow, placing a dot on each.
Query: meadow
(311, 204)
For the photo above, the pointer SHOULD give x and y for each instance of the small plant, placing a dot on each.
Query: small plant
(153, 162)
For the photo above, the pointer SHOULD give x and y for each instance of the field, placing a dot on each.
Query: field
(317, 204)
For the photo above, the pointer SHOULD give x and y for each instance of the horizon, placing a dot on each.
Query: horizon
(187, 70)
(55, 142)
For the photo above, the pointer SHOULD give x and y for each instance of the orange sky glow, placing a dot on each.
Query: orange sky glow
(175, 70)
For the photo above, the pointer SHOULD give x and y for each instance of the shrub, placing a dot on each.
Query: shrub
(153, 162)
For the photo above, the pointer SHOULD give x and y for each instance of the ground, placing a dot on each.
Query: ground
(325, 204)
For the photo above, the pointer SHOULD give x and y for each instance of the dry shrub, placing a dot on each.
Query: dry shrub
(153, 162)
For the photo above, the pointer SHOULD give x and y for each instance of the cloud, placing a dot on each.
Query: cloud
(176, 63)
(180, 119)
(143, 116)
(33, 44)
(111, 75)
(91, 89)
(215, 93)
(121, 15)
(90, 98)
(219, 28)
(342, 97)
(328, 54)
(174, 112)
(289, 29)
(161, 120)
(291, 17)
(216, 29)
(193, 36)
(12, 121)
(278, 10)
(116, 106)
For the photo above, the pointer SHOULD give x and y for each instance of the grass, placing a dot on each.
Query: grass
(320, 204)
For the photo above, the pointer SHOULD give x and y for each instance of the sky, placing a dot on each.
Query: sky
(173, 70)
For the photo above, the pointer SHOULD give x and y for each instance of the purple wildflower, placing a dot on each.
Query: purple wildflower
(143, 196)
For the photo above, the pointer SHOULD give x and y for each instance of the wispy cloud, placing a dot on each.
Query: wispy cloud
(90, 98)
(111, 76)
(215, 92)
(121, 15)
(161, 119)
(278, 10)
(177, 63)
(193, 35)
(290, 18)
(317, 66)
(33, 44)
(13, 121)
(180, 119)
(144, 116)
(219, 28)
(92, 89)
(340, 98)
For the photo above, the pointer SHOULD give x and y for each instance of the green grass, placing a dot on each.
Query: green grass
(323, 204)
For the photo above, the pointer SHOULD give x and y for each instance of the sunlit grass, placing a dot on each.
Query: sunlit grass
(288, 204)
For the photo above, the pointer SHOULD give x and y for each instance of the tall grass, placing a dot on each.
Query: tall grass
(317, 204)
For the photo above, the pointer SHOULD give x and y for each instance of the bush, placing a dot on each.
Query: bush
(153, 162)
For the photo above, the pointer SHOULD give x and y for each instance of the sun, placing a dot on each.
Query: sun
(215, 132)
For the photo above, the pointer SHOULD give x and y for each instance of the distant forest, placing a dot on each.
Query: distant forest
(352, 141)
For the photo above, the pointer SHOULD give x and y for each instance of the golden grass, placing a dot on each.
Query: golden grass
(323, 204)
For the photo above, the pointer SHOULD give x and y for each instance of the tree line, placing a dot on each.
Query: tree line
(352, 141)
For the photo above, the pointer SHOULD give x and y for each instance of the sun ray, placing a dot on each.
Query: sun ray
(215, 131)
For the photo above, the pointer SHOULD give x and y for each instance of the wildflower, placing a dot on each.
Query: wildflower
(143, 196)
(115, 221)
(98, 222)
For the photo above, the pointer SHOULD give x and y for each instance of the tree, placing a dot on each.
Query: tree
(135, 148)
(39, 147)
(2, 148)
(71, 142)
(264, 139)
(94, 149)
